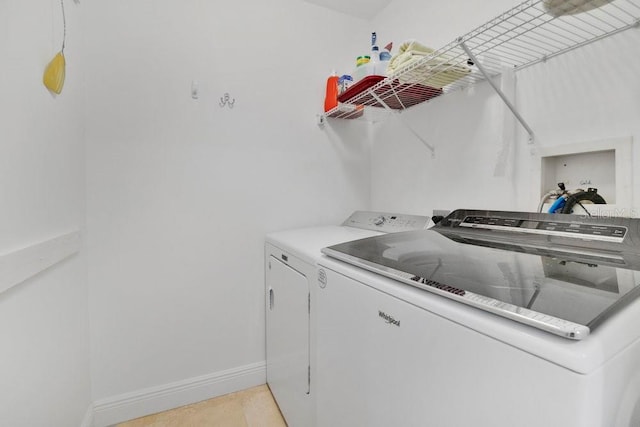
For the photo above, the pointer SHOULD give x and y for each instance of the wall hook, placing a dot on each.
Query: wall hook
(227, 100)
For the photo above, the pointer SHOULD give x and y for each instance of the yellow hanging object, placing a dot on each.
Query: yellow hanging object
(53, 77)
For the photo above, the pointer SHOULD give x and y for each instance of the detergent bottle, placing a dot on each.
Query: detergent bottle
(385, 54)
(385, 57)
(331, 95)
(375, 55)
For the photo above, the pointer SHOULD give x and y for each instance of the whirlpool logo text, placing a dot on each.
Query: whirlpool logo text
(388, 319)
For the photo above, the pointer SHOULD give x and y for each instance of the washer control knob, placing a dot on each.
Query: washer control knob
(379, 220)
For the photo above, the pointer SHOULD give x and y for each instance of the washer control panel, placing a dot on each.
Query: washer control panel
(386, 222)
(605, 232)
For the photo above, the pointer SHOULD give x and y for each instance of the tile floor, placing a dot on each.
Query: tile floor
(253, 407)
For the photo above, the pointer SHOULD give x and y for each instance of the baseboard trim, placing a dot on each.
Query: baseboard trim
(151, 400)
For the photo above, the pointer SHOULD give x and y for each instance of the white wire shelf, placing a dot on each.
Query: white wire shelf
(525, 35)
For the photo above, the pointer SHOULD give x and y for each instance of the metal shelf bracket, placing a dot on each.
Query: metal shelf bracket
(396, 114)
(495, 87)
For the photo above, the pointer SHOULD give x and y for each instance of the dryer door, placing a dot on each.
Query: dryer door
(288, 340)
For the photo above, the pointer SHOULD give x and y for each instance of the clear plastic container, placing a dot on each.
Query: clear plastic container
(378, 68)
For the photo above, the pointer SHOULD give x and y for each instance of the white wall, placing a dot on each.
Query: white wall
(44, 352)
(181, 192)
(585, 95)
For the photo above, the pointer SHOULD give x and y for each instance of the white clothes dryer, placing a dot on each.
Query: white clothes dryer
(290, 269)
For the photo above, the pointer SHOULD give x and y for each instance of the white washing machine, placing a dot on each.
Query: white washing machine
(488, 319)
(291, 271)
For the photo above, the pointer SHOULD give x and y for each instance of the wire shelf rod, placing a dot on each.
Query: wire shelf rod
(504, 17)
(553, 31)
(508, 35)
(522, 36)
(527, 45)
(518, 52)
(563, 34)
(609, 12)
(634, 5)
(577, 46)
(518, 48)
(533, 21)
(591, 24)
(528, 35)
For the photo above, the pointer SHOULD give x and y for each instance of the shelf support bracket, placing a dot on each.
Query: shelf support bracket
(495, 87)
(396, 114)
